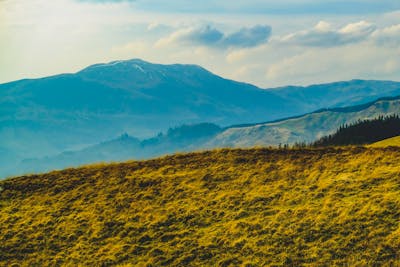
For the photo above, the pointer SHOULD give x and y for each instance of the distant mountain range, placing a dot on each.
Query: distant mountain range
(306, 128)
(41, 118)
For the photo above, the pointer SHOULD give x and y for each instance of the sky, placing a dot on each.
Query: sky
(263, 42)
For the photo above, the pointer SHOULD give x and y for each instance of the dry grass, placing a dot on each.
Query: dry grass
(259, 207)
(394, 141)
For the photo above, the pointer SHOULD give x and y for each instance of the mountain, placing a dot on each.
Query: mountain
(339, 94)
(68, 112)
(306, 128)
(42, 117)
(259, 207)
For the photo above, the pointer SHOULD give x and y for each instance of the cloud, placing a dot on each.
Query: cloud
(323, 35)
(248, 37)
(203, 36)
(210, 36)
(336, 63)
(193, 35)
(388, 36)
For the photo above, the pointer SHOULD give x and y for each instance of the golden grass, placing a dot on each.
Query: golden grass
(258, 207)
(394, 141)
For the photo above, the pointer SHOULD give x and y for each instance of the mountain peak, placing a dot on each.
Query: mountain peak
(137, 73)
(116, 64)
(137, 63)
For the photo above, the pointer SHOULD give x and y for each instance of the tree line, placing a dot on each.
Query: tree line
(363, 132)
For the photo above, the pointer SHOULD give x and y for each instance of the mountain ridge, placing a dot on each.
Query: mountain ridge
(339, 109)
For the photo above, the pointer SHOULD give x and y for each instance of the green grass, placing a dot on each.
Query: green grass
(257, 207)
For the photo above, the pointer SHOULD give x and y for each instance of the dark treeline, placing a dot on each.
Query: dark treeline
(363, 132)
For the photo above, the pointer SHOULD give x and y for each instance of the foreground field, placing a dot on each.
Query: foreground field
(260, 207)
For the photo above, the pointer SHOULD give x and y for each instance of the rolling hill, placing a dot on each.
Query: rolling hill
(259, 207)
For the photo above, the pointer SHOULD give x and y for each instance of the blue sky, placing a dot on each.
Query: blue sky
(268, 43)
(262, 7)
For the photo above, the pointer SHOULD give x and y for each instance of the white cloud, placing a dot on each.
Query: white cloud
(323, 35)
(323, 26)
(389, 36)
(194, 35)
(337, 63)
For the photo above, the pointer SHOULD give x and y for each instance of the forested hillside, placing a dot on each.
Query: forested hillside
(363, 132)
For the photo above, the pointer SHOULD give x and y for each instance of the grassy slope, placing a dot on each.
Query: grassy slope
(394, 141)
(228, 207)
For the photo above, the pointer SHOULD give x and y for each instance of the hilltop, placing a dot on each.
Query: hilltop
(301, 207)
(394, 141)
